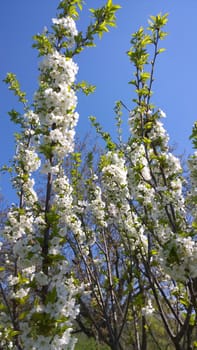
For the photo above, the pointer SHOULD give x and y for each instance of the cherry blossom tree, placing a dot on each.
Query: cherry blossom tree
(141, 263)
(111, 250)
(38, 288)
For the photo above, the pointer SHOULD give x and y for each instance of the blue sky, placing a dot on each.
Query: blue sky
(106, 66)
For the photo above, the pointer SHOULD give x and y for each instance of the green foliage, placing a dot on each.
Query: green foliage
(52, 216)
(15, 116)
(47, 150)
(110, 145)
(13, 85)
(85, 87)
(43, 324)
(139, 55)
(51, 296)
(70, 7)
(76, 175)
(104, 17)
(88, 343)
(42, 44)
(6, 168)
(118, 118)
(156, 24)
(193, 136)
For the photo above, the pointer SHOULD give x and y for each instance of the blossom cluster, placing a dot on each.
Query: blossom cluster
(57, 102)
(117, 197)
(155, 182)
(68, 220)
(69, 25)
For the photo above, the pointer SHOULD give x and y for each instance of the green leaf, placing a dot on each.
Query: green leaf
(85, 87)
(22, 279)
(194, 224)
(195, 344)
(13, 333)
(42, 44)
(23, 315)
(144, 76)
(3, 307)
(154, 252)
(161, 50)
(70, 7)
(15, 117)
(51, 296)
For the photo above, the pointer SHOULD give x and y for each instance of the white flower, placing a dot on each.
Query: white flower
(148, 308)
(162, 113)
(41, 278)
(12, 280)
(69, 24)
(21, 293)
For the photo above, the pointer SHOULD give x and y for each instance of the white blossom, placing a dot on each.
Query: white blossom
(148, 309)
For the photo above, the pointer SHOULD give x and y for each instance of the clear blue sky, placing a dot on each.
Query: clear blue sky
(106, 66)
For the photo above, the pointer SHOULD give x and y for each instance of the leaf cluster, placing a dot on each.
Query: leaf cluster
(139, 54)
(104, 17)
(13, 85)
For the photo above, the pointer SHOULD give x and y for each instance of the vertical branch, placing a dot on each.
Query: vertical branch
(136, 331)
(144, 333)
(45, 247)
(111, 287)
